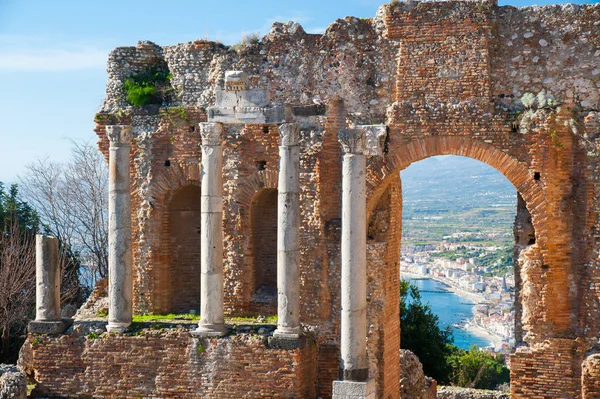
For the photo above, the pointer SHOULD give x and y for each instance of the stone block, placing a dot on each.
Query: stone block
(287, 341)
(49, 327)
(354, 390)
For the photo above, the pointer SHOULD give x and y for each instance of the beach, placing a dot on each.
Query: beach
(493, 339)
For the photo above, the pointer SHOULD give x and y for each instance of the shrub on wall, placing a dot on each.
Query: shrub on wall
(149, 87)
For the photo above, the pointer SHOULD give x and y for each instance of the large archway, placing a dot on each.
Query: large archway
(384, 212)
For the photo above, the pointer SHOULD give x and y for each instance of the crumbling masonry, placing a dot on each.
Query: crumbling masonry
(243, 201)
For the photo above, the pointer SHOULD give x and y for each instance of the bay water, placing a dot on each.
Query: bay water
(451, 309)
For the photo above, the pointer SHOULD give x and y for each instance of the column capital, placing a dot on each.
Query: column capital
(353, 140)
(375, 136)
(119, 134)
(289, 134)
(211, 133)
(366, 140)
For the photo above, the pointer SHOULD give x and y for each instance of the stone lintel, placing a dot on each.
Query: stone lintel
(354, 390)
(119, 134)
(49, 327)
(287, 341)
(249, 115)
(289, 134)
(211, 133)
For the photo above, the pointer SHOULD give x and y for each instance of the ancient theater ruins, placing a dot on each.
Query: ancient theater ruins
(265, 181)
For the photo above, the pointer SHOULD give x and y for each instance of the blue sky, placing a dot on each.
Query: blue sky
(53, 56)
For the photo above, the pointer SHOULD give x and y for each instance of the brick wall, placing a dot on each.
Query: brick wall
(170, 364)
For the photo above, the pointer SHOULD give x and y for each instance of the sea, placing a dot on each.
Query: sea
(452, 310)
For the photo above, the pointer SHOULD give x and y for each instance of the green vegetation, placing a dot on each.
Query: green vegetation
(149, 87)
(477, 369)
(102, 313)
(253, 320)
(147, 318)
(421, 334)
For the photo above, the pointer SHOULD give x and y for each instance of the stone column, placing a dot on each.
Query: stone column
(288, 233)
(47, 291)
(357, 144)
(354, 257)
(120, 296)
(47, 278)
(211, 232)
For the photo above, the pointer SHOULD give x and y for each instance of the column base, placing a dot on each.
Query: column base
(117, 327)
(354, 390)
(287, 341)
(49, 327)
(210, 331)
(354, 375)
(285, 332)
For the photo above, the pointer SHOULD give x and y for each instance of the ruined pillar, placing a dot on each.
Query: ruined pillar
(288, 233)
(356, 143)
(47, 288)
(354, 257)
(211, 232)
(47, 279)
(120, 308)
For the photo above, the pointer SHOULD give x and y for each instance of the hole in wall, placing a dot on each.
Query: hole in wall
(261, 165)
(531, 241)
(537, 176)
(192, 129)
(265, 129)
(167, 163)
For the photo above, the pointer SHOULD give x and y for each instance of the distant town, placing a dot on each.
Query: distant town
(470, 266)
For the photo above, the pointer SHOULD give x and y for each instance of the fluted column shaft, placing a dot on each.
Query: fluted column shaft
(211, 232)
(288, 232)
(120, 259)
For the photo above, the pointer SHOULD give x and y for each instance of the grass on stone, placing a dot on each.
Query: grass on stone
(147, 318)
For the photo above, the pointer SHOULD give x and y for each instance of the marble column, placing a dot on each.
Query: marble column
(120, 295)
(47, 276)
(211, 232)
(288, 233)
(353, 345)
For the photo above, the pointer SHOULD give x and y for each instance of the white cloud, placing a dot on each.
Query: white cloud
(31, 53)
(53, 59)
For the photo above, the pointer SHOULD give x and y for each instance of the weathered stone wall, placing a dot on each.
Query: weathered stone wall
(590, 378)
(446, 78)
(153, 363)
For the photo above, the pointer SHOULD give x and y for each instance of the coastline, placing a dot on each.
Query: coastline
(493, 339)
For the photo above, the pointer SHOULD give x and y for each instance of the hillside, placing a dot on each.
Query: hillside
(451, 194)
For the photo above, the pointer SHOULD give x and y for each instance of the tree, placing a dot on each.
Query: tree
(421, 334)
(72, 201)
(18, 225)
(478, 369)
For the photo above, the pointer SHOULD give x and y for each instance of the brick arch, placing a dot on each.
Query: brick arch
(167, 184)
(383, 180)
(254, 183)
(400, 157)
(246, 194)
